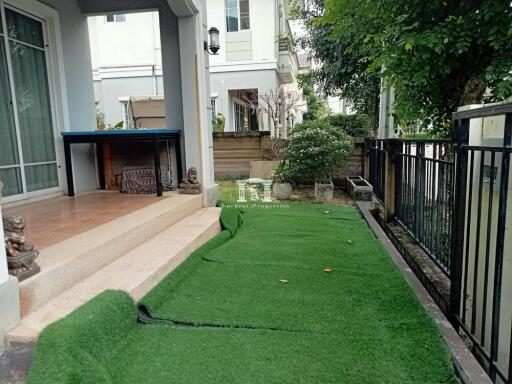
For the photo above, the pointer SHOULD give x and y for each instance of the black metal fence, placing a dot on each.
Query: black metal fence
(424, 195)
(377, 171)
(453, 199)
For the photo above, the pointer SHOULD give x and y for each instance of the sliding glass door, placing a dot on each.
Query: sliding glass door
(28, 162)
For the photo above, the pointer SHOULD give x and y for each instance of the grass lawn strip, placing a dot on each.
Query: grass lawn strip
(360, 323)
(102, 343)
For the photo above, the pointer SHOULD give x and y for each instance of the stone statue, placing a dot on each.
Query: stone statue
(190, 184)
(21, 255)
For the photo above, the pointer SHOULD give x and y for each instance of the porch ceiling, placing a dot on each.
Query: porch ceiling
(181, 8)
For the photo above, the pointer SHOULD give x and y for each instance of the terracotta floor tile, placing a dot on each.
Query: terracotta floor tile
(51, 221)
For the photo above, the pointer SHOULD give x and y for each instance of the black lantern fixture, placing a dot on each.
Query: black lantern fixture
(214, 46)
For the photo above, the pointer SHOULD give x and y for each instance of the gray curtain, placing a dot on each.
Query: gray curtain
(29, 72)
(11, 177)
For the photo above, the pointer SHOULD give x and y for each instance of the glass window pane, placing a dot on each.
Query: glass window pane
(33, 102)
(245, 20)
(232, 20)
(41, 177)
(231, 15)
(11, 177)
(24, 28)
(8, 142)
(245, 23)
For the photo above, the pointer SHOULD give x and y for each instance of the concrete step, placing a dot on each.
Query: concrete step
(137, 272)
(66, 263)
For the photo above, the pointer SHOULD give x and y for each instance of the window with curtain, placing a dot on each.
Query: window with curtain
(10, 173)
(237, 15)
(27, 148)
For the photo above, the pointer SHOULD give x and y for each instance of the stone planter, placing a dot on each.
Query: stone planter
(359, 188)
(282, 191)
(324, 192)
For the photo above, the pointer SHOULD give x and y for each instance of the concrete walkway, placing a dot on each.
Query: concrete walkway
(15, 363)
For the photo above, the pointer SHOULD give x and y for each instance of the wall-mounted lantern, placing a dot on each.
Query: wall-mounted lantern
(214, 46)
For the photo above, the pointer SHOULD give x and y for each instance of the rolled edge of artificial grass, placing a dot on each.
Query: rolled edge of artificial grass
(75, 348)
(231, 219)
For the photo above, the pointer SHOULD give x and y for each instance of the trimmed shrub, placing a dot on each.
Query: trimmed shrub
(219, 123)
(316, 151)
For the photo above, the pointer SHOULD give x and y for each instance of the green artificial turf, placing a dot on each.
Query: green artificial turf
(254, 305)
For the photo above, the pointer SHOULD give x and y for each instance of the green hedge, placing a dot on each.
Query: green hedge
(353, 125)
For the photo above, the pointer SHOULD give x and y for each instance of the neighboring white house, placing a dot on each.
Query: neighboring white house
(252, 58)
(126, 60)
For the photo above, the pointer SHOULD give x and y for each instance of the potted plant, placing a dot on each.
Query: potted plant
(316, 151)
(282, 189)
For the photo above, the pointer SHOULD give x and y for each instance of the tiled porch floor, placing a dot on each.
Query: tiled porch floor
(54, 220)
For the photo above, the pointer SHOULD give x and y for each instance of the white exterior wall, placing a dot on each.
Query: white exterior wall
(135, 42)
(125, 63)
(264, 29)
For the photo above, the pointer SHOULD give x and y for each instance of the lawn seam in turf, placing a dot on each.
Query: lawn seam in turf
(145, 318)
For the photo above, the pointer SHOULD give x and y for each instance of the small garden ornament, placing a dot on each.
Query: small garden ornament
(21, 255)
(190, 184)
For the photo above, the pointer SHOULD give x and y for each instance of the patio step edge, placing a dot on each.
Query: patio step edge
(66, 263)
(136, 272)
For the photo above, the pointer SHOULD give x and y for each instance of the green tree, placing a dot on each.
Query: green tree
(438, 54)
(316, 106)
(342, 71)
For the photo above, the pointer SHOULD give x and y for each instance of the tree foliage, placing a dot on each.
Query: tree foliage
(316, 105)
(353, 125)
(342, 71)
(438, 54)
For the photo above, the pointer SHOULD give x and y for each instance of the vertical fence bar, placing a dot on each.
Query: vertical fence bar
(420, 209)
(398, 178)
(457, 253)
(500, 244)
(468, 235)
(487, 249)
(477, 242)
(389, 178)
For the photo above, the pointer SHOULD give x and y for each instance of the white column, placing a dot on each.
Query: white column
(196, 98)
(241, 191)
(3, 257)
(386, 119)
(267, 197)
